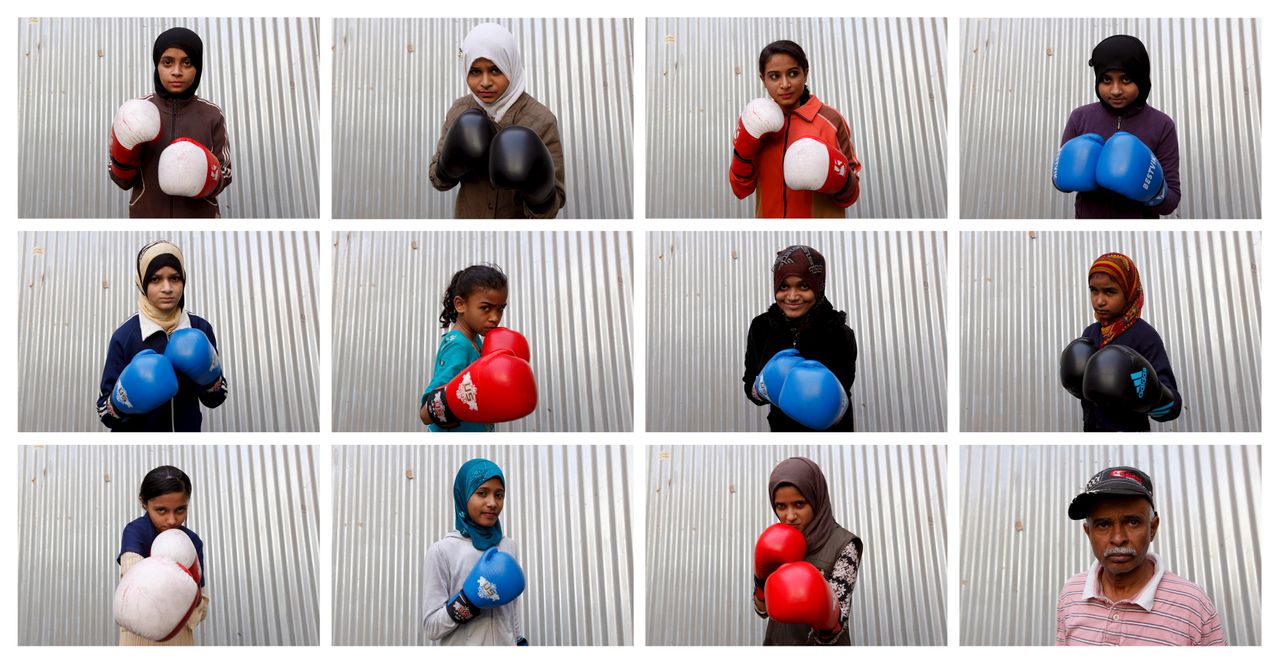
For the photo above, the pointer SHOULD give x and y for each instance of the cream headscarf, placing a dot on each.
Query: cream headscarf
(166, 254)
(495, 43)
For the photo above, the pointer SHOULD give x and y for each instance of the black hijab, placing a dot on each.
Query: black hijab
(1123, 53)
(190, 43)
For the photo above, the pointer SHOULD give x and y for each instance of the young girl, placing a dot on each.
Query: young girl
(528, 181)
(799, 498)
(162, 362)
(164, 495)
(790, 148)
(801, 319)
(1122, 184)
(479, 493)
(170, 148)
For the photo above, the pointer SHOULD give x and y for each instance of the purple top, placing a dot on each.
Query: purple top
(1155, 129)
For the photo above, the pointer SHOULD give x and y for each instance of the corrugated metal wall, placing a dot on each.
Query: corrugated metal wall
(73, 73)
(255, 507)
(258, 289)
(568, 508)
(1017, 546)
(707, 504)
(1021, 78)
(569, 294)
(705, 287)
(1025, 295)
(886, 76)
(394, 79)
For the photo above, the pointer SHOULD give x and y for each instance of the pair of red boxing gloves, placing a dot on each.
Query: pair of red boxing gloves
(792, 589)
(496, 387)
(186, 169)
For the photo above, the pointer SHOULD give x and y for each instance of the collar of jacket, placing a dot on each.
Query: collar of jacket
(822, 313)
(1127, 112)
(509, 119)
(809, 109)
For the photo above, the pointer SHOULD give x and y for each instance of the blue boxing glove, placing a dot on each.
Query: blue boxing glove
(813, 396)
(1077, 162)
(769, 382)
(146, 383)
(1128, 167)
(194, 356)
(495, 580)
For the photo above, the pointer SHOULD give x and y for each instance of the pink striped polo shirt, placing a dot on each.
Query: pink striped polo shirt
(1168, 611)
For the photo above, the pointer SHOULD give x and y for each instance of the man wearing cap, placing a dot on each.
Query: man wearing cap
(1128, 597)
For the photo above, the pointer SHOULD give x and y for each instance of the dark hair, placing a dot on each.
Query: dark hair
(164, 480)
(786, 47)
(463, 283)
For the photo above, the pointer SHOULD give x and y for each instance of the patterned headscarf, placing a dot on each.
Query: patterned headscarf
(804, 262)
(1123, 271)
(805, 475)
(470, 476)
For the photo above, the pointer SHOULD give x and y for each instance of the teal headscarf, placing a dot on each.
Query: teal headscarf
(470, 476)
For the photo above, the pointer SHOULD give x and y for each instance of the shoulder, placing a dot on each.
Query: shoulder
(1082, 112)
(509, 545)
(1073, 587)
(1185, 592)
(832, 115)
(206, 105)
(533, 114)
(131, 328)
(198, 322)
(1092, 332)
(1160, 118)
(195, 538)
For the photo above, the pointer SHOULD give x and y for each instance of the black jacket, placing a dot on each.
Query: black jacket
(1143, 339)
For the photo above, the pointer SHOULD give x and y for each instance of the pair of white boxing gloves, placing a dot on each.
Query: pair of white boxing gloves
(159, 595)
(187, 168)
(808, 165)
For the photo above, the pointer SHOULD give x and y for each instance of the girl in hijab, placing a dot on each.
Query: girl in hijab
(498, 142)
(163, 362)
(801, 324)
(170, 148)
(799, 498)
(479, 494)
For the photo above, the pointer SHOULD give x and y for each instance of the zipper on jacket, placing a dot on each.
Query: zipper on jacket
(173, 427)
(173, 135)
(1118, 121)
(786, 142)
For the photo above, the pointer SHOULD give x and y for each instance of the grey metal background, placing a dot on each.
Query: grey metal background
(255, 507)
(886, 76)
(393, 80)
(73, 73)
(1017, 546)
(568, 508)
(707, 504)
(705, 287)
(1024, 296)
(1020, 78)
(258, 289)
(569, 293)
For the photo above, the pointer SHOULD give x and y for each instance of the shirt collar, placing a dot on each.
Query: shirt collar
(149, 327)
(810, 108)
(1146, 598)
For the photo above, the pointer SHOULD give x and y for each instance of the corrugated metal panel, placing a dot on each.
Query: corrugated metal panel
(569, 294)
(1024, 296)
(255, 507)
(73, 73)
(707, 505)
(1018, 547)
(568, 508)
(258, 289)
(705, 287)
(886, 76)
(394, 79)
(1022, 77)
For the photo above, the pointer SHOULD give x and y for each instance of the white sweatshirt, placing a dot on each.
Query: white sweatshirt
(448, 562)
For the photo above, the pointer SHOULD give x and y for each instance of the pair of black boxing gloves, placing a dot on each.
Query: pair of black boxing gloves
(1115, 376)
(513, 158)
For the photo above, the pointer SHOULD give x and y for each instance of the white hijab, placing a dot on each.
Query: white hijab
(495, 43)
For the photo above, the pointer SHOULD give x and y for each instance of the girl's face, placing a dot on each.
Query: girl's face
(486, 80)
(794, 297)
(1106, 297)
(791, 507)
(485, 503)
(784, 79)
(1117, 90)
(164, 290)
(167, 511)
(480, 311)
(176, 71)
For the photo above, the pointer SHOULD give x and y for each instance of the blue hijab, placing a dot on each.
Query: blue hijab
(470, 476)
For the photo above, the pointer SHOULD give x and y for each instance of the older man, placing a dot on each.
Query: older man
(1128, 597)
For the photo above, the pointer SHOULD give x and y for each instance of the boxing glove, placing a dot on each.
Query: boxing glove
(778, 545)
(1075, 168)
(502, 338)
(176, 546)
(495, 388)
(812, 165)
(465, 151)
(1071, 365)
(191, 354)
(188, 169)
(813, 396)
(798, 593)
(1117, 376)
(518, 160)
(495, 580)
(155, 598)
(136, 123)
(146, 383)
(769, 382)
(758, 119)
(1128, 167)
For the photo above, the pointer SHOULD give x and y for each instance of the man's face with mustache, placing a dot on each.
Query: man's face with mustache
(1120, 530)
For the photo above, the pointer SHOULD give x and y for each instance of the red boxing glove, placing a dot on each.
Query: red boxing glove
(504, 339)
(812, 165)
(778, 545)
(495, 388)
(188, 169)
(798, 593)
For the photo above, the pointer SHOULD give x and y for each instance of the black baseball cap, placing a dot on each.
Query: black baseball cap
(1115, 481)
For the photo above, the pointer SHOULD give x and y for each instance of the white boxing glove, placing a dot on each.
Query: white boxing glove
(155, 599)
(188, 169)
(176, 545)
(137, 122)
(759, 118)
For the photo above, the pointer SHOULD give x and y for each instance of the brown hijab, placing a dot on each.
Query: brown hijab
(803, 474)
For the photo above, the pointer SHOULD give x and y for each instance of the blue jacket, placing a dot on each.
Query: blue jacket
(140, 533)
(1142, 338)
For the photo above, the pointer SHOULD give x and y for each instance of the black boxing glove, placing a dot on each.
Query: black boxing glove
(1071, 365)
(519, 160)
(465, 151)
(1119, 377)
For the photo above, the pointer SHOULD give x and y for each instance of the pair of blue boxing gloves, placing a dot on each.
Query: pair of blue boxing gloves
(151, 379)
(1122, 163)
(805, 391)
